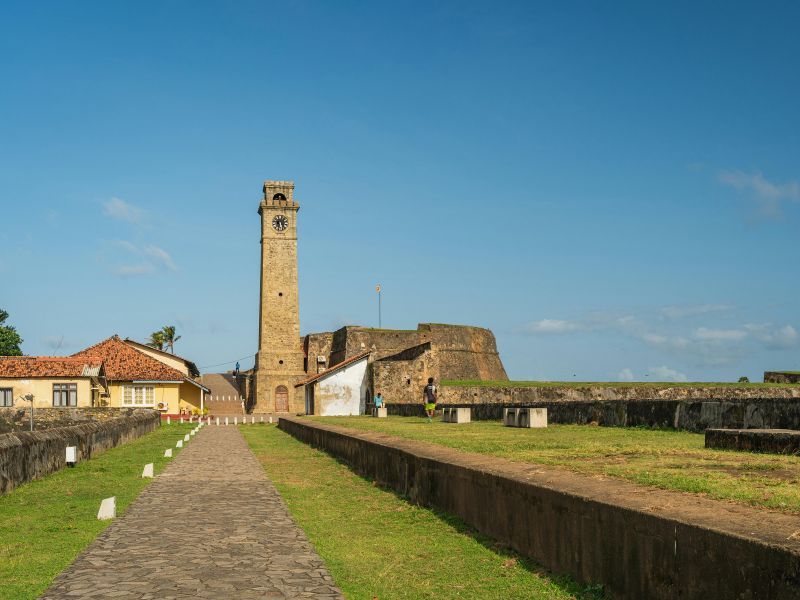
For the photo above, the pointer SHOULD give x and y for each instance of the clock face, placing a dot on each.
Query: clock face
(280, 222)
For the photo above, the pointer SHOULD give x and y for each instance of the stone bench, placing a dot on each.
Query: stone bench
(456, 415)
(380, 413)
(525, 417)
(773, 441)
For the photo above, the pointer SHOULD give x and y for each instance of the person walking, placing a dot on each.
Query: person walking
(429, 395)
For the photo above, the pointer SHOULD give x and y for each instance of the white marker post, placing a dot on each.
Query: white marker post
(168, 453)
(217, 421)
(108, 509)
(71, 455)
(235, 420)
(147, 472)
(226, 420)
(181, 420)
(186, 438)
(262, 418)
(270, 419)
(169, 420)
(179, 444)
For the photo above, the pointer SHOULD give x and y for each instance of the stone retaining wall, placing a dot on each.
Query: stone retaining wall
(773, 441)
(781, 377)
(638, 542)
(690, 415)
(26, 455)
(18, 418)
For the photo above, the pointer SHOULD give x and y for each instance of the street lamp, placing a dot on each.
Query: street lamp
(378, 289)
(29, 398)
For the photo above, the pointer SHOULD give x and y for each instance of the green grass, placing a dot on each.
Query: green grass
(376, 544)
(583, 384)
(673, 460)
(44, 524)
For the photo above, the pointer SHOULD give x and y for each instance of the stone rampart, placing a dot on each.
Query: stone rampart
(26, 455)
(782, 377)
(638, 542)
(18, 418)
(773, 441)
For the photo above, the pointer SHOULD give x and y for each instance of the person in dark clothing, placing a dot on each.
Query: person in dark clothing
(429, 396)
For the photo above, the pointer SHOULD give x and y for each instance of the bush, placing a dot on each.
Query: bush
(744, 380)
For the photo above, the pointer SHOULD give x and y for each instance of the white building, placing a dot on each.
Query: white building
(339, 391)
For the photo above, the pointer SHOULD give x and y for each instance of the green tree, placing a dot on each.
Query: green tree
(168, 333)
(744, 379)
(157, 340)
(9, 338)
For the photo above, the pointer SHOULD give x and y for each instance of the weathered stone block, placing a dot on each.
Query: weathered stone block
(456, 415)
(773, 441)
(108, 509)
(147, 472)
(380, 413)
(168, 453)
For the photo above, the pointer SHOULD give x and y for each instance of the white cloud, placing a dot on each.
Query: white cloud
(625, 375)
(719, 335)
(680, 312)
(161, 256)
(768, 196)
(664, 373)
(118, 209)
(552, 326)
(775, 338)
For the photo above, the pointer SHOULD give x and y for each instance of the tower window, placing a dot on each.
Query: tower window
(280, 362)
(280, 293)
(279, 197)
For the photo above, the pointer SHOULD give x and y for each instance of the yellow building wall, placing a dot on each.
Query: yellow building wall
(42, 390)
(177, 395)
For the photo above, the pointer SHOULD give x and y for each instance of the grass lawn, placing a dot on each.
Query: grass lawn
(375, 544)
(674, 460)
(615, 384)
(45, 524)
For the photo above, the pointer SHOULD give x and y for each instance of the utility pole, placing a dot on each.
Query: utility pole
(378, 289)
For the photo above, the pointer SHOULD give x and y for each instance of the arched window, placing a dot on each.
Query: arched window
(279, 197)
(281, 399)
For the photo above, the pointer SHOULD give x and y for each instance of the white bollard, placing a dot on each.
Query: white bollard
(192, 432)
(148, 471)
(270, 419)
(262, 418)
(217, 421)
(71, 455)
(169, 421)
(108, 509)
(186, 438)
(209, 421)
(235, 420)
(226, 420)
(181, 420)
(252, 420)
(168, 453)
(179, 444)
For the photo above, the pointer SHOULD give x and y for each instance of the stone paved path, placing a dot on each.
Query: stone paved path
(211, 525)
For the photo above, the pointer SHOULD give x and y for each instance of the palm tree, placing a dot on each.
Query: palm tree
(157, 340)
(169, 337)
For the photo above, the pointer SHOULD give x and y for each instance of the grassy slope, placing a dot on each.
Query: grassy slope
(46, 523)
(377, 545)
(583, 384)
(675, 460)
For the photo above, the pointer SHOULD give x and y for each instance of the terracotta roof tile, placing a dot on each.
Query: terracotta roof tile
(125, 363)
(50, 366)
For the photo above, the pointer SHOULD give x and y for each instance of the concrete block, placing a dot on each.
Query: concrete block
(147, 472)
(525, 417)
(186, 438)
(380, 413)
(456, 415)
(71, 455)
(168, 453)
(108, 509)
(179, 444)
(193, 432)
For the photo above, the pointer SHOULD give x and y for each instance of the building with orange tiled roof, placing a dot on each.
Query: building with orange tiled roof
(52, 381)
(141, 379)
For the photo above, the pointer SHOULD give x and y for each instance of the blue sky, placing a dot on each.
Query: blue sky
(612, 189)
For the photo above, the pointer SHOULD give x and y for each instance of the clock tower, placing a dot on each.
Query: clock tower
(279, 361)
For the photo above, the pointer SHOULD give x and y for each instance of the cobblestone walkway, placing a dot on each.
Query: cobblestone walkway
(211, 525)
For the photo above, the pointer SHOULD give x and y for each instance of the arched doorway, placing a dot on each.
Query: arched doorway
(281, 399)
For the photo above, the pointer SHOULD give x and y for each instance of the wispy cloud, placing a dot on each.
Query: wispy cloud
(161, 256)
(118, 209)
(133, 270)
(768, 196)
(702, 345)
(692, 310)
(664, 373)
(149, 259)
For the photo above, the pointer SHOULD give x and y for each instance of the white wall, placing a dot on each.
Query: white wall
(343, 393)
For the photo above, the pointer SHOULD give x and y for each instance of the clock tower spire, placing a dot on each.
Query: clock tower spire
(279, 361)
